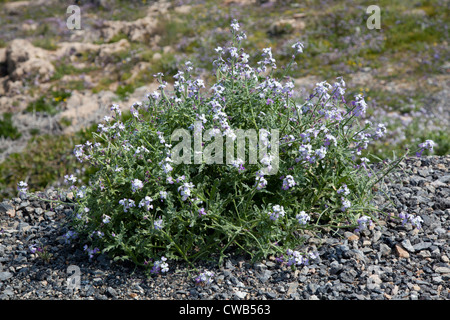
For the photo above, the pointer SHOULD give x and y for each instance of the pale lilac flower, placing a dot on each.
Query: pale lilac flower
(339, 88)
(363, 223)
(295, 258)
(428, 144)
(305, 152)
(116, 109)
(322, 88)
(22, 186)
(330, 138)
(235, 25)
(90, 251)
(141, 149)
(155, 95)
(201, 212)
(244, 57)
(361, 106)
(204, 278)
(146, 203)
(288, 182)
(106, 218)
(185, 190)
(81, 193)
(267, 161)
(239, 164)
(169, 180)
(345, 204)
(380, 131)
(414, 220)
(321, 152)
(199, 83)
(158, 224)
(344, 189)
(260, 182)
(233, 52)
(165, 164)
(268, 59)
(276, 212)
(160, 266)
(163, 195)
(136, 184)
(298, 46)
(303, 217)
(180, 178)
(127, 204)
(121, 126)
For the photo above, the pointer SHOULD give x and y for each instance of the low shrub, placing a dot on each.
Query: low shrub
(243, 165)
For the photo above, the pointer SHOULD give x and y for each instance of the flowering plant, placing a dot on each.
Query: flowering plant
(147, 202)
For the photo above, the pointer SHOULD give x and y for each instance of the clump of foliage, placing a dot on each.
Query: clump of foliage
(7, 128)
(153, 198)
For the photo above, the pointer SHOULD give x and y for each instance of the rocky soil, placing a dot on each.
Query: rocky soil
(392, 261)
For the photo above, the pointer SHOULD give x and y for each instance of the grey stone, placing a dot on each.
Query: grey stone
(348, 276)
(312, 288)
(335, 267)
(5, 275)
(271, 295)
(385, 250)
(240, 294)
(4, 207)
(264, 276)
(422, 245)
(442, 270)
(111, 292)
(408, 246)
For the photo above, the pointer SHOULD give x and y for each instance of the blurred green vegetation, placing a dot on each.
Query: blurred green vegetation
(413, 40)
(49, 104)
(7, 128)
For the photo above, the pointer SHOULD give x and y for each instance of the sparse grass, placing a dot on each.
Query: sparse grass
(49, 105)
(47, 157)
(7, 128)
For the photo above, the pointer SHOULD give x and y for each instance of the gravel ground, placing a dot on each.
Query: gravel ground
(389, 262)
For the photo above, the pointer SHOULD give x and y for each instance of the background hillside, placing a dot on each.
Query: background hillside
(57, 83)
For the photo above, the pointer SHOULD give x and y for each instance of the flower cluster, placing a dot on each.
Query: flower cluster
(204, 278)
(276, 212)
(345, 204)
(90, 251)
(22, 187)
(185, 190)
(146, 203)
(428, 145)
(303, 218)
(160, 266)
(127, 204)
(70, 235)
(136, 185)
(158, 224)
(415, 221)
(363, 223)
(288, 182)
(295, 258)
